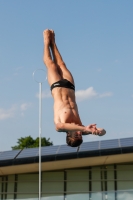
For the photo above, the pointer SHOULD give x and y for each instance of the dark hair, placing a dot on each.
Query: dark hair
(73, 140)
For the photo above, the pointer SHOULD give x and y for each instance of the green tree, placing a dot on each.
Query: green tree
(29, 142)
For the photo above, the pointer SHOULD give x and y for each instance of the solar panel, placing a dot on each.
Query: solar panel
(7, 155)
(89, 146)
(49, 150)
(66, 149)
(109, 144)
(126, 142)
(65, 152)
(30, 152)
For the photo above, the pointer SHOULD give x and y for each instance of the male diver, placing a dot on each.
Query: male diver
(60, 79)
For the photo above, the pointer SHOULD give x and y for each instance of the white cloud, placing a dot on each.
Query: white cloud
(24, 106)
(14, 110)
(90, 93)
(107, 94)
(85, 94)
(7, 113)
(45, 94)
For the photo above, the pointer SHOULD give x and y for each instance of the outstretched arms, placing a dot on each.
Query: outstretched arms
(65, 127)
(91, 129)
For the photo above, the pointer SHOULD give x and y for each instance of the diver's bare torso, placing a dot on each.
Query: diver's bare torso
(65, 107)
(66, 117)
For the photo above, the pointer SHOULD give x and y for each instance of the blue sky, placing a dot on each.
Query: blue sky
(95, 39)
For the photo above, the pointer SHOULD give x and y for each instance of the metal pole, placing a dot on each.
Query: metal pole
(40, 131)
(40, 120)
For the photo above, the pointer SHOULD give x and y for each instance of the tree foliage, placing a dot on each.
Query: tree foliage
(29, 142)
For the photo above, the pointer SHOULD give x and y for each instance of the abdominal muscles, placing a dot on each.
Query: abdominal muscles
(65, 107)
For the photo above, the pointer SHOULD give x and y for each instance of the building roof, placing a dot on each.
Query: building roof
(96, 150)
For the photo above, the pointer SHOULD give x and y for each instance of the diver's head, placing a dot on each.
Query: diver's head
(74, 138)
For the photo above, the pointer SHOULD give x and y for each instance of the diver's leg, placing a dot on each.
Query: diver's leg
(64, 72)
(53, 72)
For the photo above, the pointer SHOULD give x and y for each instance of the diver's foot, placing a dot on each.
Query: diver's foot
(101, 132)
(47, 36)
(52, 37)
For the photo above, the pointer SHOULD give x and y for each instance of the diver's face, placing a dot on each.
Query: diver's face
(78, 134)
(75, 134)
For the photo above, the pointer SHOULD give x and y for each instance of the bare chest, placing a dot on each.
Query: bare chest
(66, 114)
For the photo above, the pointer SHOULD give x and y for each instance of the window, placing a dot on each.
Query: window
(53, 186)
(112, 182)
(27, 186)
(77, 186)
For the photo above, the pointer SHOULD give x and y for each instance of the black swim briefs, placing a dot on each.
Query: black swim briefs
(63, 83)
